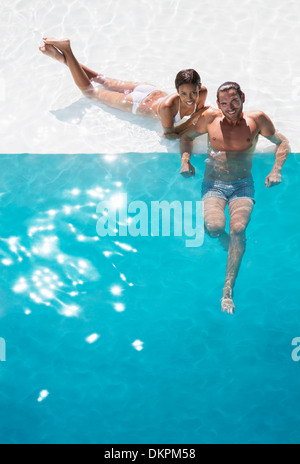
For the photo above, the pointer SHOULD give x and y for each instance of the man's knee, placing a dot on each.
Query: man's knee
(215, 228)
(240, 214)
(238, 228)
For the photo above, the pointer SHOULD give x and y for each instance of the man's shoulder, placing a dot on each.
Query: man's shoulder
(263, 122)
(210, 110)
(210, 113)
(206, 116)
(256, 115)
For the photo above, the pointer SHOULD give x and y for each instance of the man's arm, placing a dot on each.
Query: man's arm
(282, 151)
(186, 149)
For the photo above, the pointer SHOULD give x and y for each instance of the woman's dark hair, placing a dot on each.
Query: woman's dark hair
(228, 86)
(187, 76)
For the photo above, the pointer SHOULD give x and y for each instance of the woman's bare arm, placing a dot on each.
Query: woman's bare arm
(166, 115)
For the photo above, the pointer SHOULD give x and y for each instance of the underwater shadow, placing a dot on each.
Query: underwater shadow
(74, 114)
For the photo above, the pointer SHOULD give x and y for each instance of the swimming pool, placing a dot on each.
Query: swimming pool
(121, 339)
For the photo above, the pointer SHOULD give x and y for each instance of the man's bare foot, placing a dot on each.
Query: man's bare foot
(64, 45)
(227, 303)
(51, 51)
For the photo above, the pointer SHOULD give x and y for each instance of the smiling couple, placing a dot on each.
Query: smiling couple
(232, 139)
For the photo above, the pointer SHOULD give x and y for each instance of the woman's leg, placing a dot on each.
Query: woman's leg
(115, 85)
(61, 51)
(79, 75)
(92, 75)
(118, 96)
(52, 52)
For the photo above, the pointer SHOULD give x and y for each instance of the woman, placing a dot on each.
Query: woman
(177, 112)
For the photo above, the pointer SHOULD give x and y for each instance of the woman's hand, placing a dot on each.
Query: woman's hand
(187, 169)
(171, 136)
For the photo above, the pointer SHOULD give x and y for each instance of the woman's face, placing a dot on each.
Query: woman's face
(189, 94)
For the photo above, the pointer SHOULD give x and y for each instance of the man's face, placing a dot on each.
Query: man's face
(231, 104)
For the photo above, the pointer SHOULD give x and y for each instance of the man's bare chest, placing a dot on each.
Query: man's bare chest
(237, 138)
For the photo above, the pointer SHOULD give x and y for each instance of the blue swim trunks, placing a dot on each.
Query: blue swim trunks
(229, 191)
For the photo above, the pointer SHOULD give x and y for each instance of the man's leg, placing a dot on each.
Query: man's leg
(215, 219)
(240, 214)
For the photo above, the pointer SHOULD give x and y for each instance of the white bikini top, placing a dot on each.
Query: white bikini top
(178, 120)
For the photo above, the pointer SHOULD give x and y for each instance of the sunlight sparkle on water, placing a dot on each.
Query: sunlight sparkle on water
(117, 201)
(43, 395)
(138, 345)
(119, 307)
(70, 310)
(75, 192)
(20, 286)
(116, 290)
(92, 338)
(125, 247)
(96, 193)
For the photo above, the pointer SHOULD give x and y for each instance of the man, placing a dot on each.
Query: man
(232, 139)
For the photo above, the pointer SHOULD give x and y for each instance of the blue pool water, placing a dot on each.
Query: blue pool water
(163, 364)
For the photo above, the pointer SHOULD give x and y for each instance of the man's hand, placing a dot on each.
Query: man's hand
(187, 169)
(274, 178)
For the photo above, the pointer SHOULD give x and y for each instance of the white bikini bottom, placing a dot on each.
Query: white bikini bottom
(139, 94)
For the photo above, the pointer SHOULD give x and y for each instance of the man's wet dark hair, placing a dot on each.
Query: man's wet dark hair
(228, 86)
(187, 76)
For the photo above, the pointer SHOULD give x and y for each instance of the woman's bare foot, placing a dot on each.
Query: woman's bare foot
(63, 45)
(227, 303)
(51, 51)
